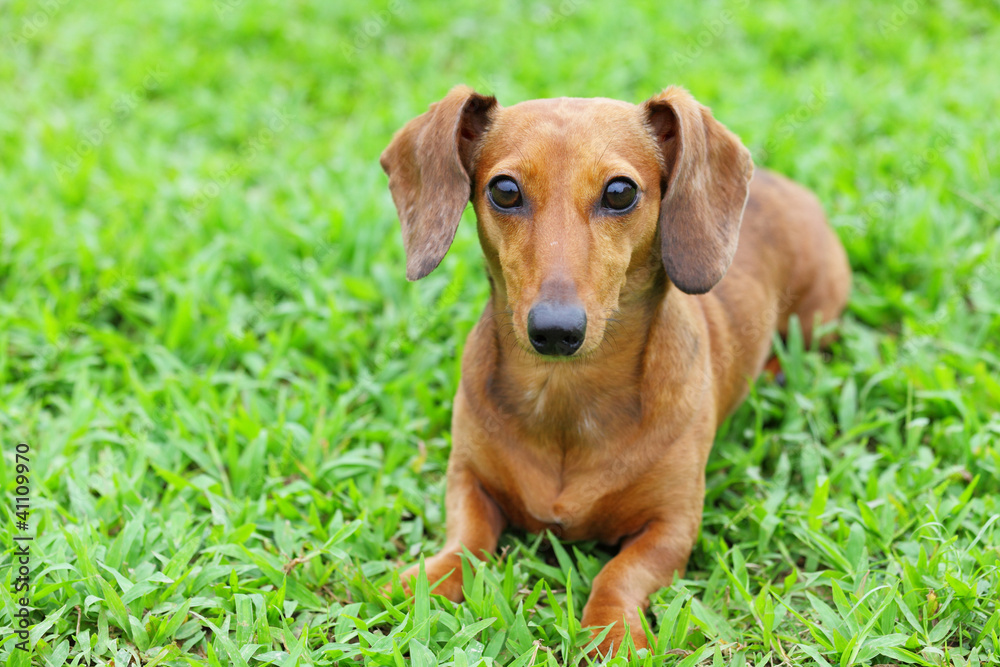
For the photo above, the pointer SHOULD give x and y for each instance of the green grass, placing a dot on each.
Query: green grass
(238, 410)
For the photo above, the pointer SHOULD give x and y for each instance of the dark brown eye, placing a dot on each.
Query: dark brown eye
(504, 192)
(619, 195)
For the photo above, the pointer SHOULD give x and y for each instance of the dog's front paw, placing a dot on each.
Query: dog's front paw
(599, 619)
(444, 574)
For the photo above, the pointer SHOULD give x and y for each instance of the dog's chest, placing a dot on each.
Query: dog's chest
(552, 496)
(552, 460)
(565, 514)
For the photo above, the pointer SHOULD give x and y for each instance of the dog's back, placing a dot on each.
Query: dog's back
(789, 261)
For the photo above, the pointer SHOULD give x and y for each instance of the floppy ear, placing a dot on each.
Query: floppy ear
(430, 164)
(707, 175)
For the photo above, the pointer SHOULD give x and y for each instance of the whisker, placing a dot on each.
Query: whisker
(600, 347)
(614, 341)
(506, 337)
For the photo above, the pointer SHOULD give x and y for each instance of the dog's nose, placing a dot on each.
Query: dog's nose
(556, 329)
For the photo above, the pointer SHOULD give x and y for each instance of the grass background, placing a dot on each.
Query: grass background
(238, 409)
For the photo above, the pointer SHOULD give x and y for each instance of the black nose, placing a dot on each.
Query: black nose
(556, 329)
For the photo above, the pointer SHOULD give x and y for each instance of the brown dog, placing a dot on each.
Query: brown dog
(624, 321)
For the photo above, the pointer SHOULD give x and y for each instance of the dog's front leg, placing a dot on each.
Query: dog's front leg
(647, 562)
(473, 521)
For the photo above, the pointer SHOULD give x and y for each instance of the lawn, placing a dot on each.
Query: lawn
(236, 410)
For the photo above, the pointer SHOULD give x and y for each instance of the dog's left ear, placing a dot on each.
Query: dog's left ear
(430, 164)
(706, 171)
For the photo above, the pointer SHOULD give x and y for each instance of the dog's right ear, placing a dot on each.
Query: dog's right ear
(707, 172)
(430, 164)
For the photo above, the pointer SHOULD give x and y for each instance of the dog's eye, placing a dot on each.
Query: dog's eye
(504, 192)
(619, 195)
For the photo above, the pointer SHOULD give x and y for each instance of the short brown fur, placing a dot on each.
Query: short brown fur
(610, 443)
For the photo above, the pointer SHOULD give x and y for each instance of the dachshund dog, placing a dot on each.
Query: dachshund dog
(639, 269)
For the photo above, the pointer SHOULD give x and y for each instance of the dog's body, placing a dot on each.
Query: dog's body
(593, 385)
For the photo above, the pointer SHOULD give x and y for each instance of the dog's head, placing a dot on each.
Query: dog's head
(576, 200)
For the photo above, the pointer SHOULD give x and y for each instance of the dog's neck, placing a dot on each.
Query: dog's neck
(576, 401)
